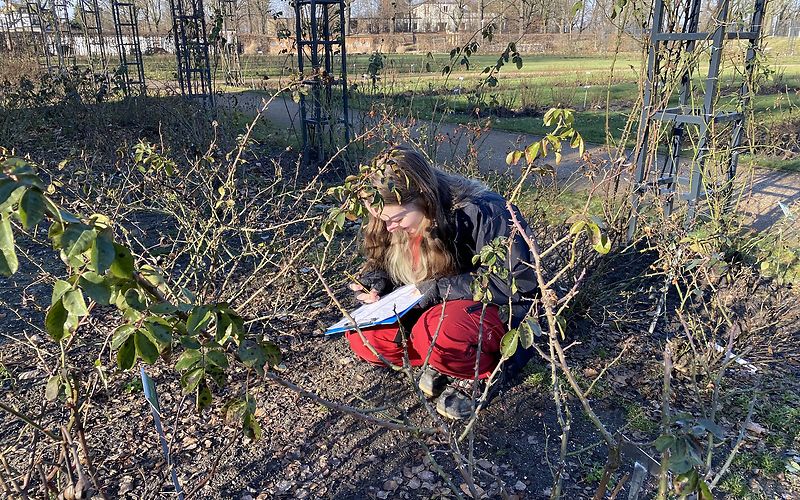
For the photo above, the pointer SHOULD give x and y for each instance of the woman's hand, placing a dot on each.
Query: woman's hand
(365, 296)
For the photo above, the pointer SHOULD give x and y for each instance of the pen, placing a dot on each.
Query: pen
(356, 281)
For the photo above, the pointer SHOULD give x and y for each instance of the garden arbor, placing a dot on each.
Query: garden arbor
(683, 108)
(320, 40)
(191, 49)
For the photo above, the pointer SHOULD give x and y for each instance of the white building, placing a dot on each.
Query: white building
(446, 15)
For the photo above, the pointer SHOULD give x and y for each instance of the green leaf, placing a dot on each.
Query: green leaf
(122, 267)
(151, 275)
(53, 387)
(253, 356)
(121, 334)
(8, 255)
(188, 359)
(526, 334)
(562, 325)
(203, 398)
(54, 321)
(135, 299)
(216, 374)
(74, 303)
(712, 427)
(509, 343)
(145, 347)
(103, 252)
(192, 379)
(10, 192)
(59, 289)
(53, 210)
(234, 410)
(189, 342)
(198, 320)
(96, 288)
(77, 238)
(217, 358)
(251, 427)
(663, 442)
(126, 356)
(229, 324)
(273, 353)
(163, 308)
(548, 116)
(577, 227)
(159, 330)
(704, 492)
(31, 208)
(575, 8)
(532, 152)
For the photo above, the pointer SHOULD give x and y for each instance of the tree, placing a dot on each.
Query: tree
(153, 12)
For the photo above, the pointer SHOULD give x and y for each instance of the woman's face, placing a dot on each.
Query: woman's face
(406, 218)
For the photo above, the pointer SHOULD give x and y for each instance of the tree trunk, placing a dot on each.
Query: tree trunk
(348, 18)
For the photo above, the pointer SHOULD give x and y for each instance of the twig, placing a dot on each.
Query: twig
(619, 486)
(549, 310)
(214, 466)
(442, 473)
(739, 441)
(665, 421)
(355, 412)
(29, 421)
(604, 370)
(11, 479)
(354, 322)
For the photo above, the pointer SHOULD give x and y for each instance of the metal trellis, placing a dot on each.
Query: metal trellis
(5, 28)
(228, 43)
(319, 27)
(130, 74)
(676, 48)
(89, 12)
(191, 49)
(49, 23)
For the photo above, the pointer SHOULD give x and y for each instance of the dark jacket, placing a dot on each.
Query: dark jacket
(478, 220)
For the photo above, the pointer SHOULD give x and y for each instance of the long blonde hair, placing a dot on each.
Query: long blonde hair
(409, 179)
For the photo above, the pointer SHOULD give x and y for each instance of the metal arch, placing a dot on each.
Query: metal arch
(49, 23)
(89, 12)
(191, 49)
(130, 74)
(320, 35)
(674, 33)
(228, 43)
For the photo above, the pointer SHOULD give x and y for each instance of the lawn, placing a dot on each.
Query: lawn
(602, 89)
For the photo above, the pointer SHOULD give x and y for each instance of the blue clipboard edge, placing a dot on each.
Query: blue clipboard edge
(387, 321)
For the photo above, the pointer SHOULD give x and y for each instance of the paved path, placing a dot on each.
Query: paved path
(766, 187)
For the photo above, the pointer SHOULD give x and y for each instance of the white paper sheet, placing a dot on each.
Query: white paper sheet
(384, 311)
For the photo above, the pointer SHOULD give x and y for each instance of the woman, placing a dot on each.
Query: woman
(426, 231)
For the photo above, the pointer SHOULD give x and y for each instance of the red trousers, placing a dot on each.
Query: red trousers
(456, 345)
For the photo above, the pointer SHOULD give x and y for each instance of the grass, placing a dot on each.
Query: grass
(264, 132)
(638, 419)
(536, 376)
(414, 84)
(792, 165)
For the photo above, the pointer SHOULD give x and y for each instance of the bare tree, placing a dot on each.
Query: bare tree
(153, 12)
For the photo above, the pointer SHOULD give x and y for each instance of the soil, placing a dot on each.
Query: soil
(310, 451)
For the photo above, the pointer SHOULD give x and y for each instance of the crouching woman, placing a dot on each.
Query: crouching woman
(426, 230)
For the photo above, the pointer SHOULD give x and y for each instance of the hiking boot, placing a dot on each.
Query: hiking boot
(456, 400)
(432, 383)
